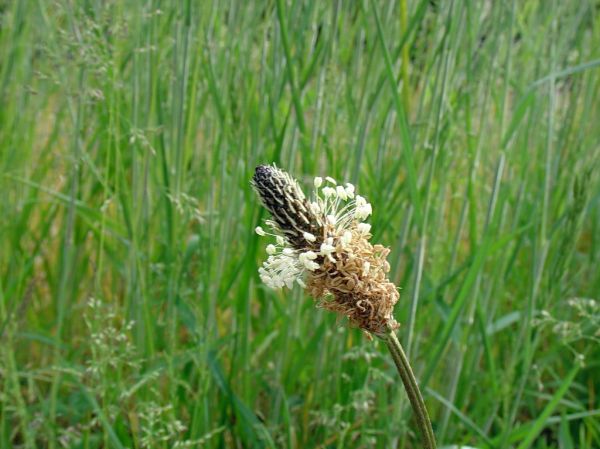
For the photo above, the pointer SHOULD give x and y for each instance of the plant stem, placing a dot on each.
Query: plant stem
(405, 57)
(412, 389)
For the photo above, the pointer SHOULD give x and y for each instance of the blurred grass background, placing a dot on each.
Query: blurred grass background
(131, 314)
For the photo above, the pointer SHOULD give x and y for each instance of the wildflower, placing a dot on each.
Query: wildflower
(322, 244)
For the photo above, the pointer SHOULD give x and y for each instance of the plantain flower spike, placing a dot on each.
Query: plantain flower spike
(322, 244)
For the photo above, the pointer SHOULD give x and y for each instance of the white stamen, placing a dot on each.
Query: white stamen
(260, 231)
(309, 237)
(346, 238)
(366, 267)
(327, 249)
(341, 193)
(311, 255)
(349, 190)
(271, 249)
(331, 180)
(311, 266)
(328, 191)
(363, 211)
(318, 182)
(331, 219)
(280, 270)
(306, 259)
(363, 228)
(280, 240)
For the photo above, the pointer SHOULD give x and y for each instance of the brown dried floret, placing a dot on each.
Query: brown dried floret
(356, 285)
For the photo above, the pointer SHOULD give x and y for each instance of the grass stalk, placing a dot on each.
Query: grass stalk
(405, 57)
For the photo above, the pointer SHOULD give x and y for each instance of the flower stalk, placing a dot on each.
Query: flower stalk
(412, 389)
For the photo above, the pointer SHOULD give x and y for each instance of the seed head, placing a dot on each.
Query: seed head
(323, 245)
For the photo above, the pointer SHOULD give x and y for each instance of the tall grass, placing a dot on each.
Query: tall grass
(131, 314)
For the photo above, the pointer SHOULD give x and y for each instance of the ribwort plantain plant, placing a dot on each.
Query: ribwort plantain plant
(322, 244)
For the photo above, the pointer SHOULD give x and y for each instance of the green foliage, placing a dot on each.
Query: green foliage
(131, 313)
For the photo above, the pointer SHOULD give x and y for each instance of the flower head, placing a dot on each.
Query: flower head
(323, 245)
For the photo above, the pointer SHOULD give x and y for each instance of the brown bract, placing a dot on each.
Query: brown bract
(284, 199)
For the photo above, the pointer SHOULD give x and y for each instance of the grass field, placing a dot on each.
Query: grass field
(131, 312)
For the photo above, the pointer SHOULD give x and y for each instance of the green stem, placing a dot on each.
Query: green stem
(412, 389)
(405, 56)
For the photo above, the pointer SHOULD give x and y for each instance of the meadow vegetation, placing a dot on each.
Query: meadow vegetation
(131, 311)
